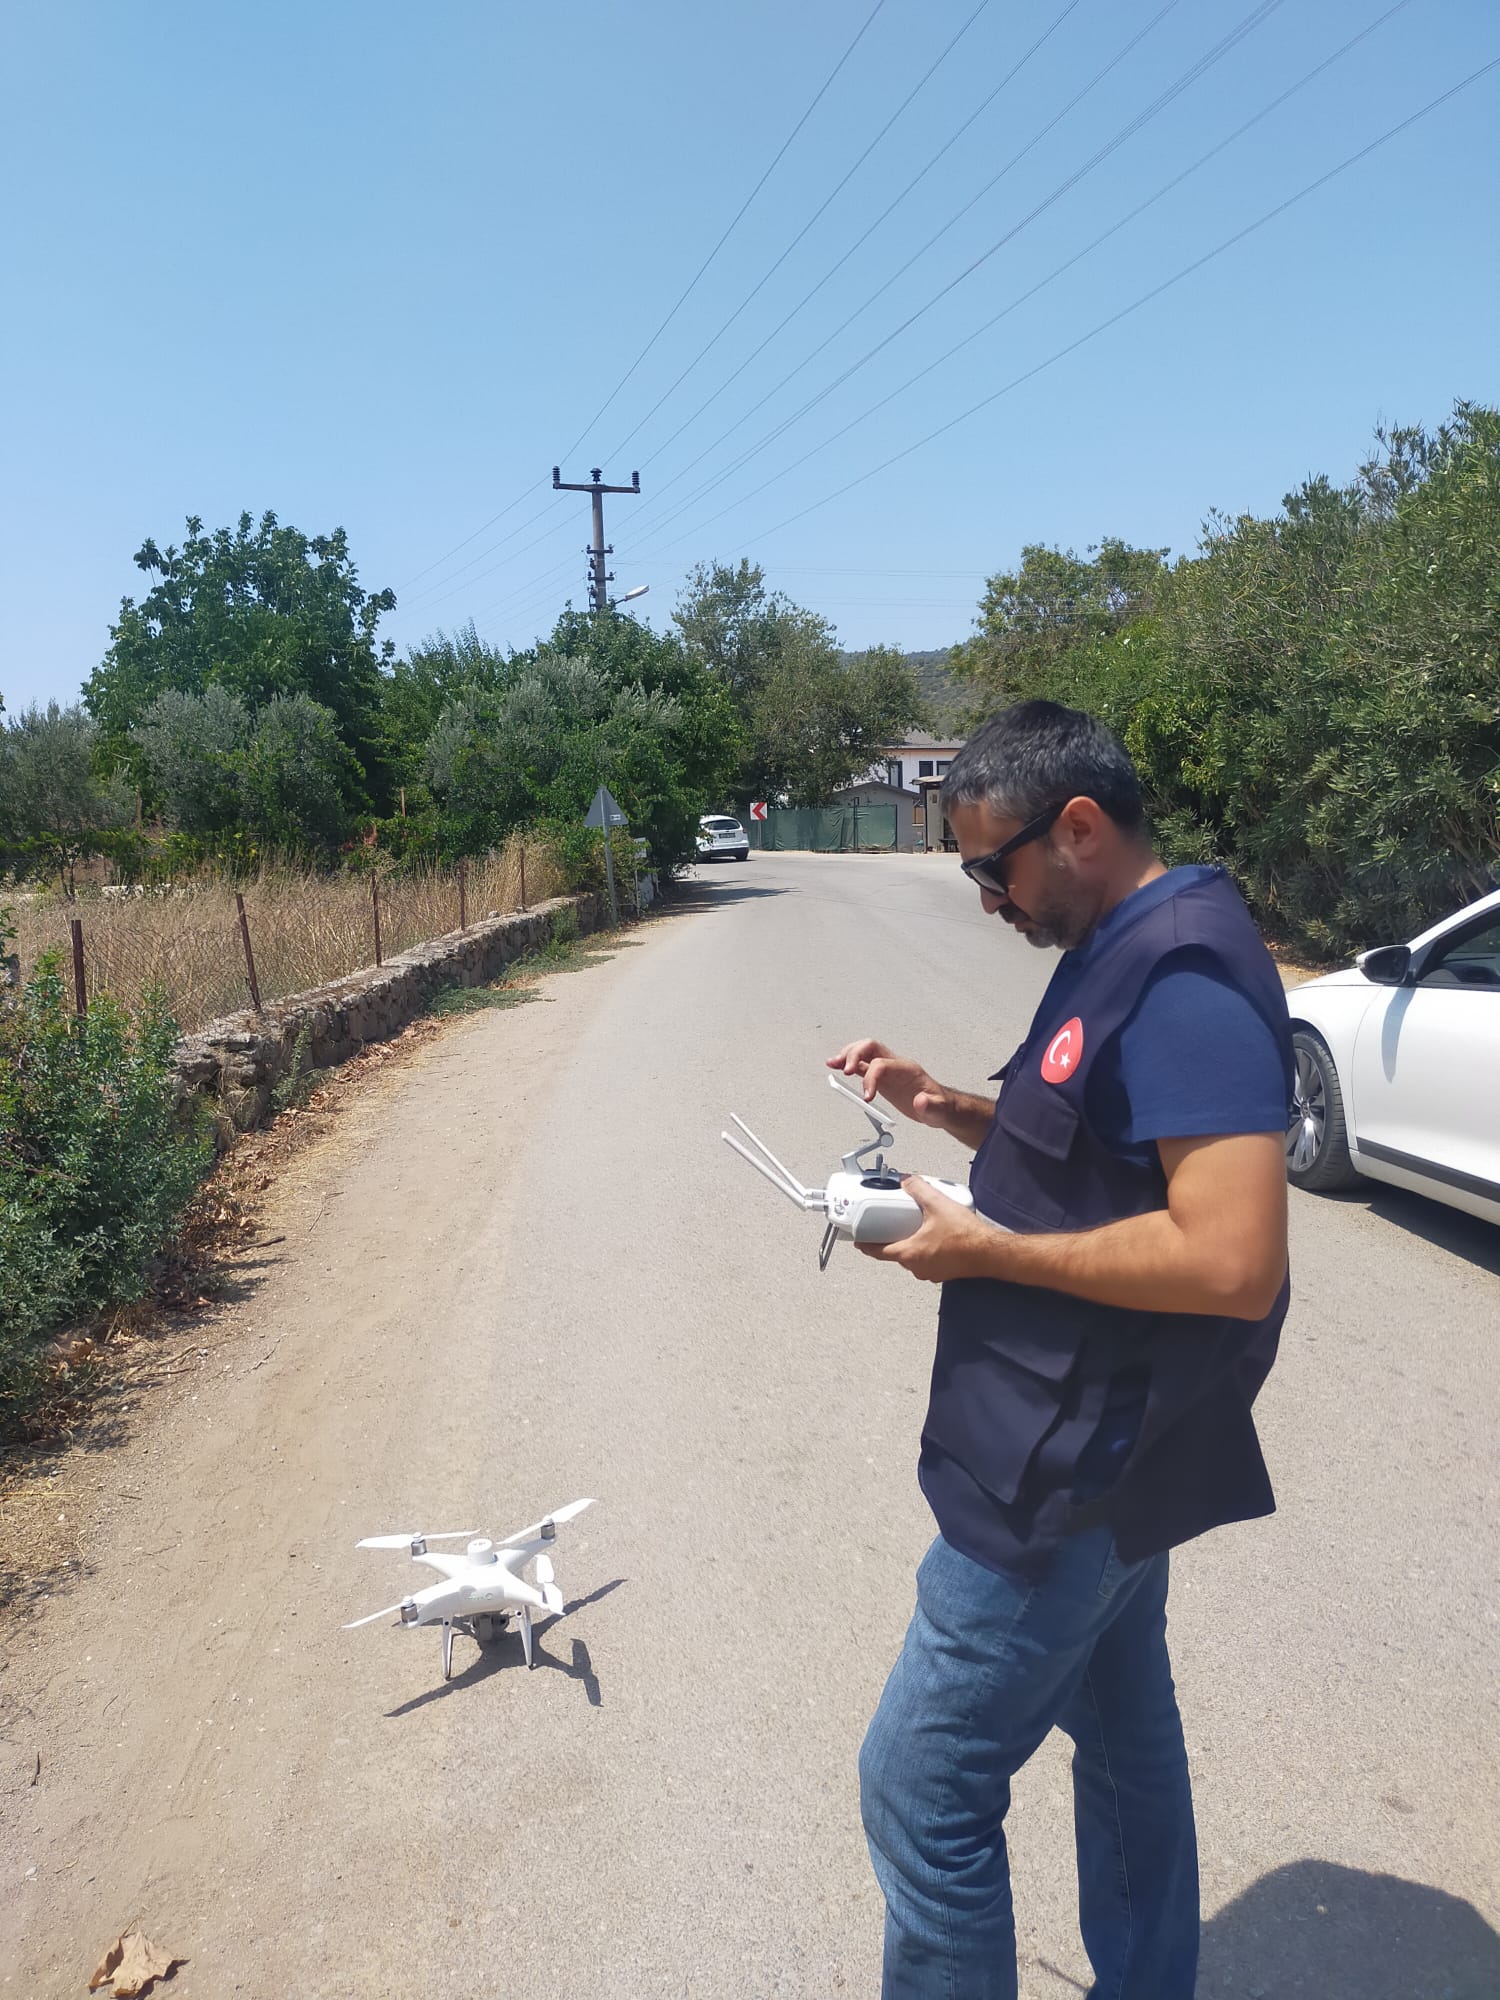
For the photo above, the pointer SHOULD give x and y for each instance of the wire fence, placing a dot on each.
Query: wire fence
(304, 929)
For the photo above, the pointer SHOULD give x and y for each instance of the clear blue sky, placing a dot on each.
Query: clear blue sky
(377, 266)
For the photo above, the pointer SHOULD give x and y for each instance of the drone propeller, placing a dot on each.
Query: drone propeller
(354, 1622)
(405, 1541)
(540, 1527)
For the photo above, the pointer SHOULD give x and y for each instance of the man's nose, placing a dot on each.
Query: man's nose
(992, 902)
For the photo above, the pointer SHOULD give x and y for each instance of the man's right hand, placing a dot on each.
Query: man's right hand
(908, 1086)
(900, 1082)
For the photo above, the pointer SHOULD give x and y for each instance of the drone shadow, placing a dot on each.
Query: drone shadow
(507, 1654)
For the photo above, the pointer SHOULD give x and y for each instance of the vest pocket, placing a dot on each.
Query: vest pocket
(1034, 1181)
(1002, 1377)
(992, 1425)
(1042, 1119)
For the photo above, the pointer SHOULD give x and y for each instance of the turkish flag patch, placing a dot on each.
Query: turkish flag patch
(1064, 1052)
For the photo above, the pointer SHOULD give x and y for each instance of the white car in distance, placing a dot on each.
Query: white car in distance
(721, 838)
(1398, 1067)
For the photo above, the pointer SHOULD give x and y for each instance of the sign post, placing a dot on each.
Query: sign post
(605, 814)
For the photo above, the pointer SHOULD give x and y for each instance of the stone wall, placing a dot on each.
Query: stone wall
(236, 1062)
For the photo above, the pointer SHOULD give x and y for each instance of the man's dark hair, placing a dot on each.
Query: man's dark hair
(1037, 755)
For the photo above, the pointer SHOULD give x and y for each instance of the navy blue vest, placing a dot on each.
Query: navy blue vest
(1021, 1374)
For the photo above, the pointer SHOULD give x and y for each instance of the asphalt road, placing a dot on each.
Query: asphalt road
(525, 1270)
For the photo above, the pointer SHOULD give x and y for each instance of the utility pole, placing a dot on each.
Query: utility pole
(599, 550)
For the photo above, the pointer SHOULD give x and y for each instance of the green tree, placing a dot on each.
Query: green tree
(810, 717)
(820, 718)
(729, 621)
(1313, 699)
(1045, 612)
(279, 778)
(531, 735)
(264, 612)
(445, 667)
(294, 775)
(53, 805)
(191, 748)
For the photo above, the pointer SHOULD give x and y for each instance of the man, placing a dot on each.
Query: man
(1097, 1358)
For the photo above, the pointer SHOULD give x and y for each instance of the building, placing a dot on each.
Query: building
(875, 792)
(918, 756)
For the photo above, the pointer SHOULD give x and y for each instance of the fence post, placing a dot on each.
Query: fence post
(463, 903)
(239, 904)
(375, 906)
(523, 874)
(80, 990)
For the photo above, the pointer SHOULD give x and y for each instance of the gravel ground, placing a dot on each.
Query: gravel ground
(521, 1269)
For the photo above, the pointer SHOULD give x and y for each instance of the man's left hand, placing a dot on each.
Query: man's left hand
(950, 1243)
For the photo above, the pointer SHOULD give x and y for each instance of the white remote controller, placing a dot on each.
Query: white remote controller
(863, 1202)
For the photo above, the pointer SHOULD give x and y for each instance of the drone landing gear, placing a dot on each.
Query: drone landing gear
(485, 1628)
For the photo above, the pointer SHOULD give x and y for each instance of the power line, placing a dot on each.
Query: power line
(1155, 292)
(954, 575)
(445, 586)
(511, 507)
(778, 429)
(1178, 277)
(768, 274)
(470, 538)
(1189, 76)
(1181, 83)
(1067, 265)
(1264, 7)
(859, 242)
(692, 282)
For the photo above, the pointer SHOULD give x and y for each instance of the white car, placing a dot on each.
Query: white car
(721, 838)
(1398, 1067)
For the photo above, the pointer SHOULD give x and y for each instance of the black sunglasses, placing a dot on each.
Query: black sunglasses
(986, 873)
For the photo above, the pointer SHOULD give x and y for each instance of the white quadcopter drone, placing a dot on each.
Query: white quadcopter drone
(864, 1202)
(483, 1589)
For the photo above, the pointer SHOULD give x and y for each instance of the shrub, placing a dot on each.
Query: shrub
(1313, 699)
(95, 1166)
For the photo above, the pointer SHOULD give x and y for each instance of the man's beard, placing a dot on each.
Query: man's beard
(1057, 923)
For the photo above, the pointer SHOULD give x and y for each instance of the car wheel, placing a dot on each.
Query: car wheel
(745, 856)
(1317, 1138)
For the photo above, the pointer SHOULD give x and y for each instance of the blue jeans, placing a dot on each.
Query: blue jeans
(990, 1664)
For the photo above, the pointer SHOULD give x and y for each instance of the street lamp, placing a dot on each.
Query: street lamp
(639, 591)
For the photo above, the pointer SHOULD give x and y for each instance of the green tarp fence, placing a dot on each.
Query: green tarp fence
(825, 829)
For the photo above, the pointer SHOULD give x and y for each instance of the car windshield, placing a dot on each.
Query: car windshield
(722, 825)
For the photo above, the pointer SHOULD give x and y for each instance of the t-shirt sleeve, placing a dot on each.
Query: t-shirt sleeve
(1196, 1058)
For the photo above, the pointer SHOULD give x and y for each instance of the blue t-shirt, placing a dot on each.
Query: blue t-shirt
(1194, 1060)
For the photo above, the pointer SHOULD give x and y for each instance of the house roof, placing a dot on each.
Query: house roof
(873, 785)
(920, 740)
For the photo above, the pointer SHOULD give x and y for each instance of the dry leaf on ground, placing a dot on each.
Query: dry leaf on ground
(132, 1964)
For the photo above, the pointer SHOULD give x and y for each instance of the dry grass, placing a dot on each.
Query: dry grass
(305, 929)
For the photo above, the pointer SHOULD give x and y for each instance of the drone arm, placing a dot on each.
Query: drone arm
(355, 1623)
(449, 1566)
(534, 1532)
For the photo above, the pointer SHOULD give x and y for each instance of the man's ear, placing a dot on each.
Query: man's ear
(1082, 826)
